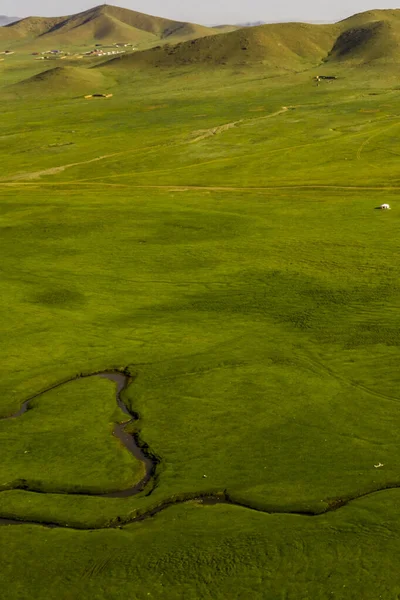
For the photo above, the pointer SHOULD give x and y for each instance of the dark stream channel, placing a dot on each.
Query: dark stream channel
(132, 444)
(204, 500)
(127, 439)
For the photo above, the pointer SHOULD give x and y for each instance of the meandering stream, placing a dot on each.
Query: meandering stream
(128, 440)
(150, 463)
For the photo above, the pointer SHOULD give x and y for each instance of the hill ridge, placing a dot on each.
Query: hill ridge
(288, 46)
(364, 38)
(103, 23)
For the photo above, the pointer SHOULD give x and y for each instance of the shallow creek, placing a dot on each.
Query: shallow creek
(128, 440)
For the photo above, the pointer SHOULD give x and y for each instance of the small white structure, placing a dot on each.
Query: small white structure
(385, 207)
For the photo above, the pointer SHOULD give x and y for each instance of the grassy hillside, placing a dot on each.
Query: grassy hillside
(369, 37)
(226, 28)
(371, 16)
(104, 23)
(378, 41)
(64, 80)
(29, 28)
(286, 46)
(373, 36)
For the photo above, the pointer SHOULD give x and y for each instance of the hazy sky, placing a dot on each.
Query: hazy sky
(206, 11)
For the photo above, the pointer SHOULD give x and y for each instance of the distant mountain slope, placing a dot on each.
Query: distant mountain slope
(287, 45)
(376, 41)
(105, 24)
(225, 28)
(370, 37)
(251, 24)
(29, 28)
(370, 16)
(7, 20)
(365, 38)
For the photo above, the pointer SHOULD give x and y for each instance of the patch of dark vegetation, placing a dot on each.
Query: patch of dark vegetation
(352, 39)
(59, 297)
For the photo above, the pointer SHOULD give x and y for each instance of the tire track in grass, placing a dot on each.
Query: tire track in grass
(373, 136)
(206, 133)
(54, 170)
(203, 134)
(96, 567)
(321, 368)
(220, 188)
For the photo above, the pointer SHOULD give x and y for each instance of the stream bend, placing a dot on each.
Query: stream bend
(130, 441)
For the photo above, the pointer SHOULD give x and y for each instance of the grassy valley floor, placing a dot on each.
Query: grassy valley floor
(213, 234)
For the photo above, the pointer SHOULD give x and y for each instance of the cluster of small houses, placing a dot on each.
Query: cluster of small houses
(47, 54)
(103, 52)
(319, 78)
(98, 51)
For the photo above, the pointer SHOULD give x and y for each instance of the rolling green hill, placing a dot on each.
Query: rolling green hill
(104, 23)
(374, 41)
(373, 36)
(287, 45)
(369, 37)
(29, 28)
(64, 80)
(371, 16)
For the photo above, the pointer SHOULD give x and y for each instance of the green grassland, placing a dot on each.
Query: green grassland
(218, 552)
(210, 230)
(68, 416)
